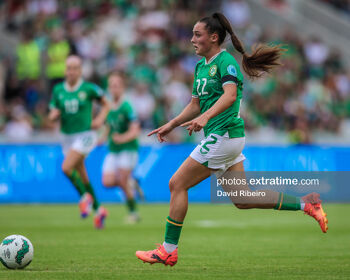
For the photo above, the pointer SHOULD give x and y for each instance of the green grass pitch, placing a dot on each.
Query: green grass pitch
(217, 242)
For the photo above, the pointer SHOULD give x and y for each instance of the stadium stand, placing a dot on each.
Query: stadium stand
(306, 101)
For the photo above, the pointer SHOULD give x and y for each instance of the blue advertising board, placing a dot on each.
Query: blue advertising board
(32, 173)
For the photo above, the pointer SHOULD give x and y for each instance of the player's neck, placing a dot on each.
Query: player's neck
(117, 102)
(213, 52)
(73, 86)
(73, 83)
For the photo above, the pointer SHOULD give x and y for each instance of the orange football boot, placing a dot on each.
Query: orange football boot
(100, 217)
(316, 211)
(85, 205)
(158, 255)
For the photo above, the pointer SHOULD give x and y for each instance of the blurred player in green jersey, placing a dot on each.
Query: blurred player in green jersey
(123, 129)
(215, 108)
(72, 102)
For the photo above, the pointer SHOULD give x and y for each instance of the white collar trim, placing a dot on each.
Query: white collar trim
(67, 87)
(116, 105)
(210, 60)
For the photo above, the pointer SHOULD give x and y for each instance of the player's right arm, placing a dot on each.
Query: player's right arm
(191, 111)
(54, 112)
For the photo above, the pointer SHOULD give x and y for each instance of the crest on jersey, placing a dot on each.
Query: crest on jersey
(121, 118)
(212, 70)
(82, 95)
(232, 70)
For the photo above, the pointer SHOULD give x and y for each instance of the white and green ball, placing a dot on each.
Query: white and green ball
(16, 251)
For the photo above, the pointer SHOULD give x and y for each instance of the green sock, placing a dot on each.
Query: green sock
(131, 204)
(172, 231)
(90, 190)
(287, 202)
(77, 182)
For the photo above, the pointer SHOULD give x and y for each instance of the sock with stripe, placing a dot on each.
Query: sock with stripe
(172, 234)
(90, 190)
(131, 204)
(77, 182)
(289, 202)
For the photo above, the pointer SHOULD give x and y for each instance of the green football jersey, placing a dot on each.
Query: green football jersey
(75, 105)
(209, 79)
(119, 120)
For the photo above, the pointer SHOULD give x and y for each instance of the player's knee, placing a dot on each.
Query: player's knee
(123, 181)
(66, 169)
(107, 181)
(174, 185)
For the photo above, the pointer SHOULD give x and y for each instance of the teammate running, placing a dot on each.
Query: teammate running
(123, 131)
(72, 102)
(215, 104)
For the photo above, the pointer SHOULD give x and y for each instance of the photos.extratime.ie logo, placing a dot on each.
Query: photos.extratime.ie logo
(242, 185)
(260, 184)
(262, 181)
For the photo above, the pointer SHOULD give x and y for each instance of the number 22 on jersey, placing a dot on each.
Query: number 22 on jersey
(201, 92)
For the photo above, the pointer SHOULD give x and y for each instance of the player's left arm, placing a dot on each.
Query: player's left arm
(223, 103)
(132, 133)
(100, 118)
(54, 113)
(103, 135)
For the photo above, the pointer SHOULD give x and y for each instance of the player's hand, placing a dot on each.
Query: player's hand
(162, 131)
(54, 115)
(118, 138)
(196, 124)
(100, 142)
(96, 124)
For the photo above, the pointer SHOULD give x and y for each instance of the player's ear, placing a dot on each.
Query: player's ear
(214, 38)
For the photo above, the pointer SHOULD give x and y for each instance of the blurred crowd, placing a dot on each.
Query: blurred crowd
(149, 40)
(342, 5)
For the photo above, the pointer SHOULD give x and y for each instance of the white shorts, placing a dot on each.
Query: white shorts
(82, 142)
(219, 152)
(122, 160)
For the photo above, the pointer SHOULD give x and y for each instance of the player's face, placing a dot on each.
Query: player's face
(73, 70)
(116, 86)
(201, 39)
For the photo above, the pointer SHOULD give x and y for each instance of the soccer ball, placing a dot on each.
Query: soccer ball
(16, 251)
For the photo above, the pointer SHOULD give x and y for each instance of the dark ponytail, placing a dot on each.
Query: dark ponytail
(263, 58)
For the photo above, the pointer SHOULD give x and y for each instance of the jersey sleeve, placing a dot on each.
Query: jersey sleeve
(229, 72)
(194, 88)
(130, 113)
(96, 92)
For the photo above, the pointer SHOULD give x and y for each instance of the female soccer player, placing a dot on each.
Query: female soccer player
(123, 131)
(72, 102)
(216, 98)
